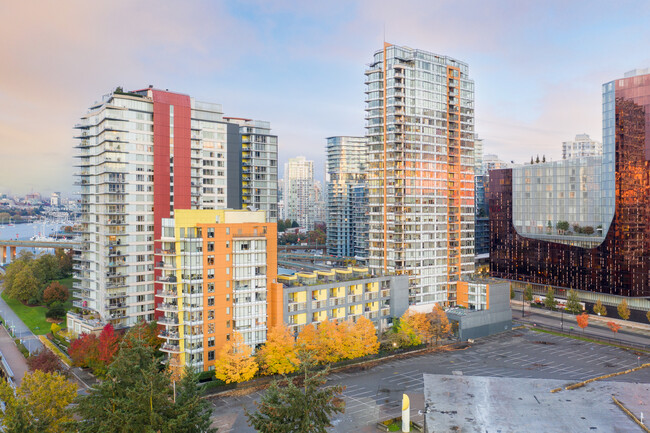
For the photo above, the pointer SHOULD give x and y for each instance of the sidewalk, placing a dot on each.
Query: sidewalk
(636, 327)
(12, 356)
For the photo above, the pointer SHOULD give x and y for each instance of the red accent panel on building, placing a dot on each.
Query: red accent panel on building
(161, 153)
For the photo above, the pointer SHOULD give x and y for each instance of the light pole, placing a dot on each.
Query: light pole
(562, 320)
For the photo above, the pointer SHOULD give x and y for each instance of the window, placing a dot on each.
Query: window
(210, 233)
(227, 337)
(227, 230)
(210, 314)
(227, 297)
(211, 342)
(227, 323)
(211, 301)
(210, 246)
(227, 244)
(210, 260)
(211, 355)
(210, 328)
(227, 310)
(210, 287)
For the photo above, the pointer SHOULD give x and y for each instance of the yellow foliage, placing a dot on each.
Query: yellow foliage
(416, 326)
(359, 339)
(439, 325)
(235, 363)
(41, 400)
(278, 355)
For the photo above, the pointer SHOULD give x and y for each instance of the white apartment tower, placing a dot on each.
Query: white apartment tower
(420, 131)
(299, 191)
(141, 155)
(581, 146)
(346, 169)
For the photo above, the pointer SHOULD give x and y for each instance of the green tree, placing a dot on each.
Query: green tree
(573, 302)
(623, 310)
(192, 413)
(600, 309)
(38, 405)
(528, 293)
(293, 407)
(135, 397)
(550, 301)
(25, 286)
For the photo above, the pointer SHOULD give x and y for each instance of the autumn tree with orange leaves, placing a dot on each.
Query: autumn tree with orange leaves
(278, 355)
(235, 363)
(415, 326)
(583, 321)
(614, 326)
(439, 325)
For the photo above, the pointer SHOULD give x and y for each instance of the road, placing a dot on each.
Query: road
(31, 342)
(594, 329)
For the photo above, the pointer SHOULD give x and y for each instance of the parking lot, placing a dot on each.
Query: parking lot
(375, 394)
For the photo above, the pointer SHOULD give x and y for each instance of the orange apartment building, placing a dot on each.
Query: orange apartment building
(218, 276)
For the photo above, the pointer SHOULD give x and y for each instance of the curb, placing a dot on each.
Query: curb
(630, 414)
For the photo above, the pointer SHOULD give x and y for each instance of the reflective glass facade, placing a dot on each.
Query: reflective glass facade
(620, 264)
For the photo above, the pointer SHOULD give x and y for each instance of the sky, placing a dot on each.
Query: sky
(538, 67)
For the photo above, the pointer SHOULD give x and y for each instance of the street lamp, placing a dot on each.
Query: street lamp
(562, 320)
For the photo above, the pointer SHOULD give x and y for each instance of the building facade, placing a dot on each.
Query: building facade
(259, 166)
(342, 294)
(611, 255)
(141, 156)
(420, 131)
(346, 170)
(218, 276)
(298, 191)
(581, 146)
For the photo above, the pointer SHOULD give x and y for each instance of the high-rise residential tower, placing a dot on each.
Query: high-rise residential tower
(346, 169)
(420, 131)
(141, 156)
(299, 191)
(259, 166)
(581, 146)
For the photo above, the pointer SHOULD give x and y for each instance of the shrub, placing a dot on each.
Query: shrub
(56, 312)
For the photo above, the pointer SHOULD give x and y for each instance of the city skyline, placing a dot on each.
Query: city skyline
(534, 72)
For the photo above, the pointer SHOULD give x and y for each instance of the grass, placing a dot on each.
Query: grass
(34, 317)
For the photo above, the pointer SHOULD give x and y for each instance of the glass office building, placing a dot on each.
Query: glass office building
(612, 192)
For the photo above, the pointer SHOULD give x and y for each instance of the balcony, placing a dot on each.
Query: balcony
(337, 301)
(115, 305)
(169, 335)
(171, 321)
(171, 308)
(170, 348)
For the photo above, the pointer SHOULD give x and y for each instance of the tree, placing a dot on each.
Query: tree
(562, 225)
(359, 339)
(549, 300)
(573, 302)
(531, 161)
(54, 328)
(438, 323)
(543, 158)
(147, 332)
(614, 326)
(512, 292)
(56, 311)
(192, 413)
(600, 309)
(278, 355)
(330, 337)
(235, 363)
(528, 293)
(136, 395)
(419, 324)
(537, 160)
(647, 315)
(583, 321)
(84, 351)
(39, 404)
(108, 345)
(25, 286)
(46, 361)
(291, 407)
(55, 292)
(623, 310)
(307, 341)
(64, 260)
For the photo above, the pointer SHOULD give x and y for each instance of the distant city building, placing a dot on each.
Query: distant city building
(299, 191)
(318, 201)
(342, 294)
(143, 155)
(581, 146)
(282, 214)
(346, 174)
(492, 162)
(582, 223)
(218, 276)
(55, 199)
(420, 131)
(481, 220)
